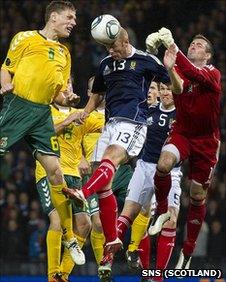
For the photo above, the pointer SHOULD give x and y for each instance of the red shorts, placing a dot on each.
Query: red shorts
(202, 153)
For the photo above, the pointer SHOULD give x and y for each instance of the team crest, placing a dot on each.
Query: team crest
(3, 142)
(133, 65)
(149, 121)
(93, 203)
(61, 50)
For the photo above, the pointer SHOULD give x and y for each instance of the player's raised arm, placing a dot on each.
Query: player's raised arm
(208, 75)
(192, 67)
(169, 62)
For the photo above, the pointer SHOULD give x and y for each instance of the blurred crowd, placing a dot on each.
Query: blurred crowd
(23, 225)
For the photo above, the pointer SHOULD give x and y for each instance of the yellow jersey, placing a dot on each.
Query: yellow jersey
(40, 67)
(70, 142)
(90, 139)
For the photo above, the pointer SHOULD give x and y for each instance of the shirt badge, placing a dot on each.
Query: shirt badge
(133, 65)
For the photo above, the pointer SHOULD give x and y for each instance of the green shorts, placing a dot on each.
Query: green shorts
(92, 200)
(44, 194)
(20, 118)
(120, 183)
(119, 187)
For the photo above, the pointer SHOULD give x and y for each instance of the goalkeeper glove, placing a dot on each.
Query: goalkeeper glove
(166, 37)
(153, 42)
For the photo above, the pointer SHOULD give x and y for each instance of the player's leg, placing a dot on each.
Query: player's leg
(139, 193)
(174, 150)
(43, 142)
(166, 239)
(126, 140)
(138, 253)
(97, 238)
(195, 217)
(206, 151)
(54, 233)
(81, 227)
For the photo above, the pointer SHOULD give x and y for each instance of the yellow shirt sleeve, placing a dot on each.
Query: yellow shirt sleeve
(16, 49)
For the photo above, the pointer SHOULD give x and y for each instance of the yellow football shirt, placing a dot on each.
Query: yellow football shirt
(70, 142)
(90, 139)
(40, 67)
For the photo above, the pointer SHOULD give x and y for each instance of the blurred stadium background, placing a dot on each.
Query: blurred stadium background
(23, 225)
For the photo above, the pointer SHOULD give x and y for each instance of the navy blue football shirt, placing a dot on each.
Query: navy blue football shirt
(159, 123)
(126, 83)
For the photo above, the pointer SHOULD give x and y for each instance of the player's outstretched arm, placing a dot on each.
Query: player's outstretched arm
(59, 127)
(93, 103)
(6, 82)
(169, 62)
(207, 76)
(67, 99)
(165, 36)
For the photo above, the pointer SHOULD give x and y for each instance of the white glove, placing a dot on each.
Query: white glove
(153, 42)
(166, 37)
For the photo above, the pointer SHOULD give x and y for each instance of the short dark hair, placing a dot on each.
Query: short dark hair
(209, 47)
(57, 6)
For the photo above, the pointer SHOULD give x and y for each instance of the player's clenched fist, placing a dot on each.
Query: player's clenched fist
(166, 37)
(153, 42)
(6, 88)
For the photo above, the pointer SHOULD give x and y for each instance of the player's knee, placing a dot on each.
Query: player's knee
(83, 227)
(54, 221)
(55, 175)
(97, 227)
(165, 163)
(197, 195)
(163, 167)
(197, 201)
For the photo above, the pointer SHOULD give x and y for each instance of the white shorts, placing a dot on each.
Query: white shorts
(130, 136)
(141, 186)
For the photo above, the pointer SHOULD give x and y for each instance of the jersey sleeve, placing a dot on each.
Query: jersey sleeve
(207, 76)
(15, 52)
(157, 69)
(98, 84)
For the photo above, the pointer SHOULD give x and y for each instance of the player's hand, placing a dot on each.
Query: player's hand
(6, 88)
(80, 117)
(166, 37)
(153, 42)
(72, 100)
(170, 56)
(84, 167)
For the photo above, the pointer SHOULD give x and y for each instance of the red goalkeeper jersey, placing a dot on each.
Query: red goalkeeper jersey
(198, 106)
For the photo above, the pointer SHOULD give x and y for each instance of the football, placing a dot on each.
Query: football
(105, 29)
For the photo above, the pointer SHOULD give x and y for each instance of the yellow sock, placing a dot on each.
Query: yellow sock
(53, 242)
(63, 207)
(138, 229)
(67, 264)
(97, 241)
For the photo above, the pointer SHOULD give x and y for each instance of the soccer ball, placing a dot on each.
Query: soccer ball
(105, 29)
